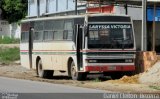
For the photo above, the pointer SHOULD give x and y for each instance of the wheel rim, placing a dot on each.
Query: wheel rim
(73, 71)
(40, 68)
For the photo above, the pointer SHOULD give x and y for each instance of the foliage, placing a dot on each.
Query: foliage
(97, 80)
(13, 10)
(8, 55)
(8, 40)
(155, 87)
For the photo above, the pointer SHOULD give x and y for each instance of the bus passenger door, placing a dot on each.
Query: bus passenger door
(79, 43)
(30, 48)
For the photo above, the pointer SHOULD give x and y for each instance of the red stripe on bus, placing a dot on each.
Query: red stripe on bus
(109, 68)
(108, 50)
(84, 50)
(47, 50)
(23, 50)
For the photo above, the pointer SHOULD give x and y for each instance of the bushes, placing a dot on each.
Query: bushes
(8, 55)
(8, 40)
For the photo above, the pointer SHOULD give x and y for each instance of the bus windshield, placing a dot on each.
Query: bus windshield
(110, 36)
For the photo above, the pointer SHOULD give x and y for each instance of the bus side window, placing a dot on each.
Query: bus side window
(38, 36)
(24, 37)
(45, 35)
(67, 34)
(68, 30)
(48, 35)
(58, 35)
(70, 35)
(38, 28)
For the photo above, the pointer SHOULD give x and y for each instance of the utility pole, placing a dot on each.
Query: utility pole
(126, 8)
(76, 11)
(154, 30)
(38, 8)
(144, 26)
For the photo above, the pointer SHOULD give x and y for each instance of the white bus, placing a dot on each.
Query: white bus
(78, 45)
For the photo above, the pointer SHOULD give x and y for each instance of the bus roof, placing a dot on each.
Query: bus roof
(69, 17)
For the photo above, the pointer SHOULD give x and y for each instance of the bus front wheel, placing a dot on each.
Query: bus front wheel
(76, 75)
(43, 73)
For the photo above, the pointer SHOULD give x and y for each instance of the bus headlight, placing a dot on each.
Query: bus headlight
(92, 61)
(128, 60)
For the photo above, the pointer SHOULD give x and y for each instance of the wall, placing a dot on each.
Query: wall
(104, 9)
(137, 29)
(42, 7)
(134, 12)
(4, 28)
(32, 8)
(150, 14)
(157, 35)
(49, 6)
(10, 30)
(15, 30)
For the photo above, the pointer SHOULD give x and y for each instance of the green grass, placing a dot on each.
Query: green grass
(8, 40)
(97, 80)
(155, 87)
(9, 55)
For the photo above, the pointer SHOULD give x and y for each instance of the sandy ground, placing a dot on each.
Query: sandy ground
(152, 76)
(125, 84)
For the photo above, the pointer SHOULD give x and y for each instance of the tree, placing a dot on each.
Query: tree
(0, 8)
(13, 10)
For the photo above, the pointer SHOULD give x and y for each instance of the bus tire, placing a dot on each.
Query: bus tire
(43, 73)
(76, 75)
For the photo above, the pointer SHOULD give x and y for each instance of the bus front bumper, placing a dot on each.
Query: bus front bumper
(109, 68)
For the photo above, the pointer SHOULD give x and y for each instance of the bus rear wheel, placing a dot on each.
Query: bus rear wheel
(43, 73)
(76, 75)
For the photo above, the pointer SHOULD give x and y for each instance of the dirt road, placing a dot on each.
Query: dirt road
(17, 71)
